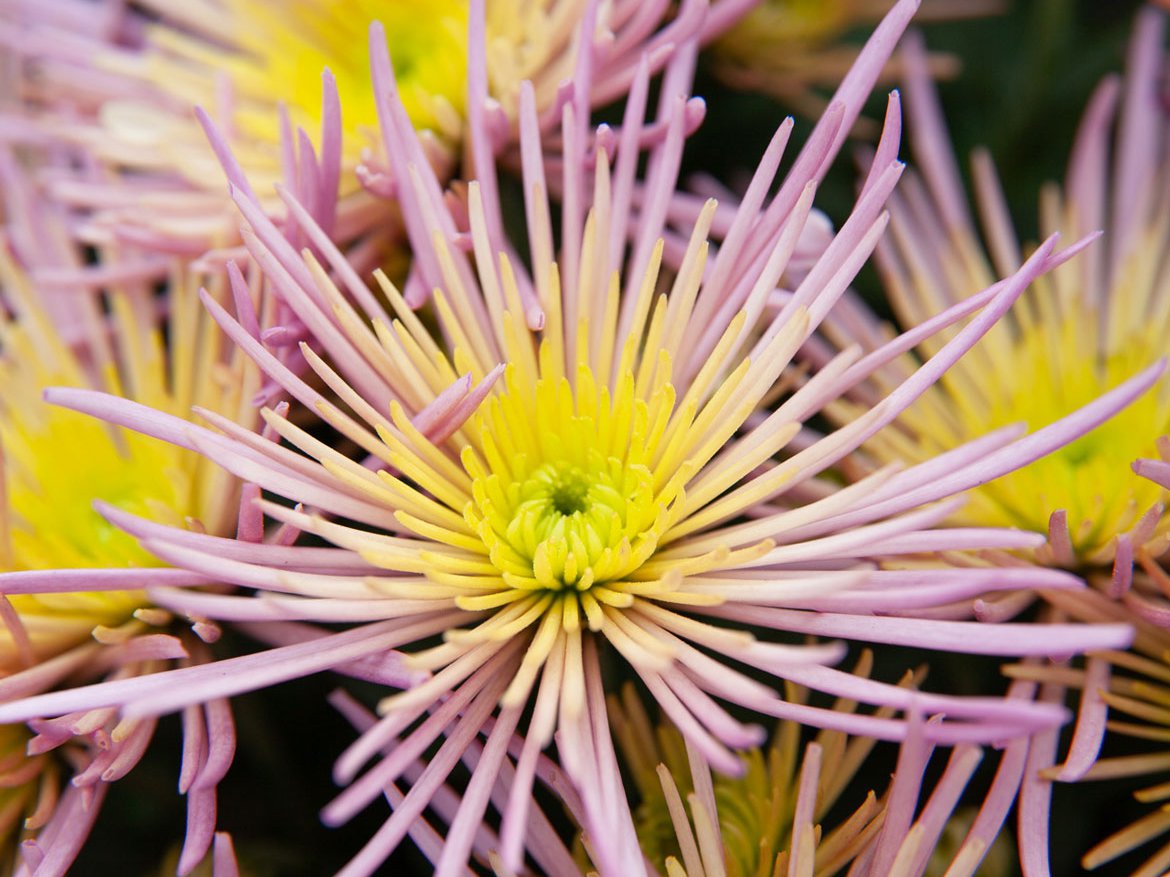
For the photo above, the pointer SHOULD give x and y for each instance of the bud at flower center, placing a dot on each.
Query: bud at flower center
(581, 518)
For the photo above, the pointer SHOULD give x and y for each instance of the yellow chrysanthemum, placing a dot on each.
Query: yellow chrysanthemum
(74, 603)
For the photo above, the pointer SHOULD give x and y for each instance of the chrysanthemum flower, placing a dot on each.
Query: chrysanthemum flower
(74, 605)
(572, 473)
(1123, 694)
(791, 48)
(123, 81)
(1075, 334)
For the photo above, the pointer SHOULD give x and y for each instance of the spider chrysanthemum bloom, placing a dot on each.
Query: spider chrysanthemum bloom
(75, 606)
(56, 463)
(1075, 334)
(1123, 695)
(573, 471)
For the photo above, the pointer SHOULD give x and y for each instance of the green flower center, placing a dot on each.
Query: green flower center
(567, 525)
(568, 492)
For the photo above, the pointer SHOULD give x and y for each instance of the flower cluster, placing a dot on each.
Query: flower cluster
(586, 476)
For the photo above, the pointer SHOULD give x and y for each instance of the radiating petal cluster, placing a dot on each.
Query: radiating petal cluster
(590, 459)
(783, 813)
(462, 397)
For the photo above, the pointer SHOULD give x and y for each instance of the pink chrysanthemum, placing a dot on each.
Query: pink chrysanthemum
(580, 468)
(789, 811)
(1076, 333)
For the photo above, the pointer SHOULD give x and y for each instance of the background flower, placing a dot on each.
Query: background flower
(122, 79)
(1072, 336)
(75, 606)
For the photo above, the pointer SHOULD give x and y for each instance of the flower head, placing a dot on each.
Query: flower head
(1074, 335)
(56, 463)
(578, 467)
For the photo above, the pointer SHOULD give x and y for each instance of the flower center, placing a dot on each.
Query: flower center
(562, 513)
(567, 525)
(568, 492)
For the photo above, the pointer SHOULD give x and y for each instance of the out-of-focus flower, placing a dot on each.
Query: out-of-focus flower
(1133, 687)
(791, 49)
(1075, 334)
(74, 605)
(576, 468)
(123, 78)
(753, 813)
